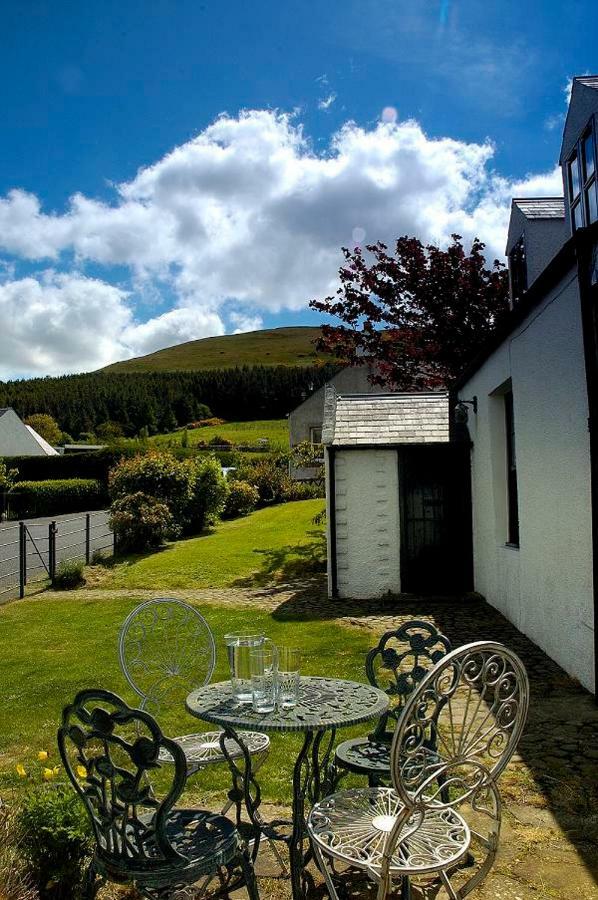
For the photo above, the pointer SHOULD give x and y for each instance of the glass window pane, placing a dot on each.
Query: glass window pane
(577, 215)
(592, 203)
(588, 155)
(574, 177)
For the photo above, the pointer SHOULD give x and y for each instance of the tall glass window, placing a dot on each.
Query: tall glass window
(583, 180)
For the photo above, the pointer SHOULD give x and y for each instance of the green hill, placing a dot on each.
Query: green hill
(270, 347)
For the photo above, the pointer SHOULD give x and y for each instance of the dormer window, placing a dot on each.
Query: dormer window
(581, 179)
(518, 270)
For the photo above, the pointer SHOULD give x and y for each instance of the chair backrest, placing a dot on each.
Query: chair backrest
(398, 664)
(108, 749)
(165, 648)
(471, 708)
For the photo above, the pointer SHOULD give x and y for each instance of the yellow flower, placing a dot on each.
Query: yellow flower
(56, 770)
(48, 774)
(81, 772)
(43, 755)
(21, 771)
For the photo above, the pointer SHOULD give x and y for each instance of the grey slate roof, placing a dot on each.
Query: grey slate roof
(588, 80)
(541, 207)
(366, 419)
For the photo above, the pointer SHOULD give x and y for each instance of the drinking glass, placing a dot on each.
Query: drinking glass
(239, 647)
(263, 679)
(289, 660)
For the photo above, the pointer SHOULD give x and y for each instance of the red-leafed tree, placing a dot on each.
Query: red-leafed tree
(421, 312)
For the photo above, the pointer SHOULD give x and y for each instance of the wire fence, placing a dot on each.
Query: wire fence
(31, 551)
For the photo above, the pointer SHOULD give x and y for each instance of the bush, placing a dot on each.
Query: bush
(206, 423)
(219, 441)
(242, 499)
(269, 477)
(69, 575)
(303, 490)
(210, 491)
(87, 464)
(57, 840)
(141, 522)
(50, 498)
(156, 474)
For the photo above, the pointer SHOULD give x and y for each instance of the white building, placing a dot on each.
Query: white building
(18, 439)
(398, 506)
(534, 441)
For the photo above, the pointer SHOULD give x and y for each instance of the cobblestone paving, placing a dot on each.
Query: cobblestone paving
(549, 840)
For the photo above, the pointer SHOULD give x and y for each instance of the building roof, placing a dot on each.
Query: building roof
(45, 446)
(588, 80)
(541, 207)
(373, 419)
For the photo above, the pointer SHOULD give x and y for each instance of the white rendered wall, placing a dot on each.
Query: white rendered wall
(367, 523)
(545, 586)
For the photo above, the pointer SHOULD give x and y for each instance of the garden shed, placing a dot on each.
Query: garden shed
(398, 495)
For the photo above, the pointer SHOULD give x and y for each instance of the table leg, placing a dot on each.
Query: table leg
(311, 779)
(246, 791)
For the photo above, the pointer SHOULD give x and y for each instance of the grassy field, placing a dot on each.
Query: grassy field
(276, 542)
(269, 347)
(275, 430)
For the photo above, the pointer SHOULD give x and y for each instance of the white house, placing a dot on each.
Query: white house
(398, 507)
(534, 435)
(18, 439)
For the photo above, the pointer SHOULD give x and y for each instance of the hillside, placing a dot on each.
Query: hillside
(270, 347)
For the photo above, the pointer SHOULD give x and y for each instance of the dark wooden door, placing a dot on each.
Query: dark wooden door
(436, 555)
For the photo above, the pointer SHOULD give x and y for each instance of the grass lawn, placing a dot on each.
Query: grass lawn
(276, 542)
(51, 647)
(276, 430)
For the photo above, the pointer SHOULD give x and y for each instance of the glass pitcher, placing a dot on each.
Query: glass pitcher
(239, 648)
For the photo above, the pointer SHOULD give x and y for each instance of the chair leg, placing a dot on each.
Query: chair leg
(321, 863)
(92, 883)
(249, 876)
(406, 888)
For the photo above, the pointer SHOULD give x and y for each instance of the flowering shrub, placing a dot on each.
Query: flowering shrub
(242, 499)
(141, 522)
(155, 474)
(56, 836)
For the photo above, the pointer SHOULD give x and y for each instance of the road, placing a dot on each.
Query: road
(70, 543)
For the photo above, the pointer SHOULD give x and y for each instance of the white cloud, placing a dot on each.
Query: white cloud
(326, 102)
(245, 215)
(244, 322)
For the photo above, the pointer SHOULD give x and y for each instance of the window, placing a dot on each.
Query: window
(582, 181)
(513, 507)
(518, 270)
(315, 434)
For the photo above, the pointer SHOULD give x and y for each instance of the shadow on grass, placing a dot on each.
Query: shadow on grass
(292, 563)
(560, 743)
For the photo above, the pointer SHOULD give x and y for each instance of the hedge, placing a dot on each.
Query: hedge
(93, 464)
(52, 498)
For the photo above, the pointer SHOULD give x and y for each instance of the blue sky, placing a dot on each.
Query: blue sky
(243, 224)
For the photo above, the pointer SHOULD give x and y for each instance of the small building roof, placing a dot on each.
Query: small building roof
(373, 419)
(541, 207)
(45, 446)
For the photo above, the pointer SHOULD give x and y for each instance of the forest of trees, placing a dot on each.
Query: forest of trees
(162, 401)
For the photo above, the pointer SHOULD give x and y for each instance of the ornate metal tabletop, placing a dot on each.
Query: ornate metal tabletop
(324, 703)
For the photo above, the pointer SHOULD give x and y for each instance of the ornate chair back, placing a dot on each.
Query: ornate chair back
(398, 664)
(472, 707)
(166, 649)
(107, 749)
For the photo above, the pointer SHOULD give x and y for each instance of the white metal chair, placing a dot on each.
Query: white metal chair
(444, 805)
(166, 649)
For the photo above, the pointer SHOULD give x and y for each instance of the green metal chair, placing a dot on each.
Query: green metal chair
(111, 754)
(396, 665)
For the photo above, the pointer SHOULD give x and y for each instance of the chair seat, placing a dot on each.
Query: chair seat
(352, 826)
(204, 748)
(363, 756)
(204, 840)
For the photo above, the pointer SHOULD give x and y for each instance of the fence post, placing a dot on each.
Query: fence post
(52, 550)
(87, 538)
(22, 559)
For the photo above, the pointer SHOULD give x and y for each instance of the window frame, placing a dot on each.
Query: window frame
(579, 203)
(511, 463)
(312, 429)
(518, 270)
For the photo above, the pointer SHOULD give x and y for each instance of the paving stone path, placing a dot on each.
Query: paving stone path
(549, 840)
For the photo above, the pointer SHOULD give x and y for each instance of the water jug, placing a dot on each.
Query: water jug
(239, 648)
